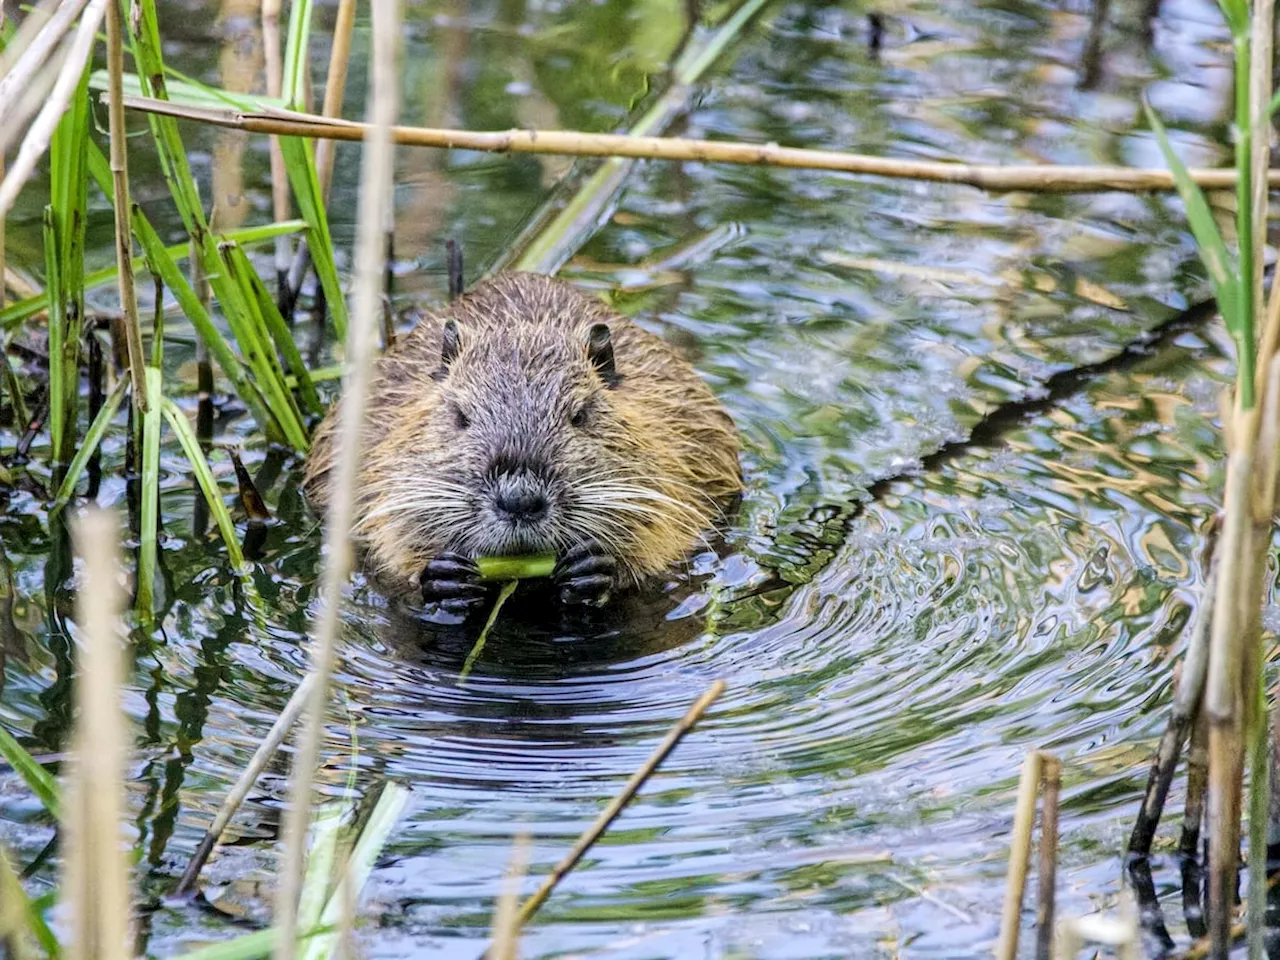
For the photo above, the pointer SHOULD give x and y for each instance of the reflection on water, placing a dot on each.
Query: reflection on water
(888, 663)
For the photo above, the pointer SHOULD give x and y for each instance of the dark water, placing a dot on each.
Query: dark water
(888, 665)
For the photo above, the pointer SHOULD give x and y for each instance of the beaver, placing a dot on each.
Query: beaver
(527, 417)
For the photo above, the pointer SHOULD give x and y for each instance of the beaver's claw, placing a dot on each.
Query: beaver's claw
(453, 582)
(586, 575)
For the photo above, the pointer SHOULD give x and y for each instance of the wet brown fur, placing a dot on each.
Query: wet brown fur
(647, 475)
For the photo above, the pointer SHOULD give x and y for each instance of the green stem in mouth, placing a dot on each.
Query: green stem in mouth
(530, 567)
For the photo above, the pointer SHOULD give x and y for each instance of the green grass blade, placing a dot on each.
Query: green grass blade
(248, 236)
(1236, 13)
(299, 161)
(69, 195)
(373, 838)
(56, 329)
(150, 494)
(161, 263)
(38, 780)
(326, 827)
(250, 946)
(1213, 251)
(293, 87)
(255, 341)
(97, 430)
(278, 331)
(189, 92)
(173, 156)
(17, 910)
(18, 403)
(208, 484)
(504, 594)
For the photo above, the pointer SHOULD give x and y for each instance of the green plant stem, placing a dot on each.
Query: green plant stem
(36, 777)
(15, 313)
(208, 485)
(150, 493)
(504, 594)
(1245, 338)
(56, 330)
(530, 567)
(92, 438)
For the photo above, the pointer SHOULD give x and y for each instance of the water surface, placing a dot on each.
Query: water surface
(889, 662)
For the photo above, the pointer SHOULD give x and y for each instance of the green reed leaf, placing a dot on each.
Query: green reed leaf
(160, 262)
(208, 483)
(150, 495)
(38, 780)
(92, 438)
(1217, 260)
(300, 163)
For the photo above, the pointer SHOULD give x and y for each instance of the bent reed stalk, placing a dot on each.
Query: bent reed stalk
(1035, 178)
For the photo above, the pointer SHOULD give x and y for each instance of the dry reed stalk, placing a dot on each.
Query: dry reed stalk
(35, 43)
(120, 176)
(1197, 785)
(96, 876)
(335, 88)
(244, 783)
(1185, 708)
(616, 805)
(275, 84)
(36, 142)
(506, 927)
(1047, 880)
(1024, 819)
(1036, 178)
(375, 200)
(1223, 695)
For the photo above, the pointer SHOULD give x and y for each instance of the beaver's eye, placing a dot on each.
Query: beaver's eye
(581, 416)
(460, 418)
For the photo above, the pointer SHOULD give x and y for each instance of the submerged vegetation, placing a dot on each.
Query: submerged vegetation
(107, 375)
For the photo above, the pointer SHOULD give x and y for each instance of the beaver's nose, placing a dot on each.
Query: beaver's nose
(521, 499)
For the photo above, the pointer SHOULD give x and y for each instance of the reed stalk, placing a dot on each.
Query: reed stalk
(39, 135)
(1032, 178)
(279, 177)
(266, 750)
(618, 803)
(95, 876)
(1182, 716)
(28, 54)
(505, 933)
(1024, 819)
(149, 525)
(120, 175)
(375, 202)
(1050, 786)
(335, 88)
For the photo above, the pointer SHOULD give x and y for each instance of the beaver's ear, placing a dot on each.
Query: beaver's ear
(450, 344)
(600, 353)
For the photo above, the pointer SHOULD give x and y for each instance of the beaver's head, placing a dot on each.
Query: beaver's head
(532, 443)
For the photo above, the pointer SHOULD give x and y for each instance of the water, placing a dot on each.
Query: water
(889, 664)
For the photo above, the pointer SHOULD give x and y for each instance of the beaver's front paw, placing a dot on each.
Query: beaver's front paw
(453, 582)
(586, 575)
